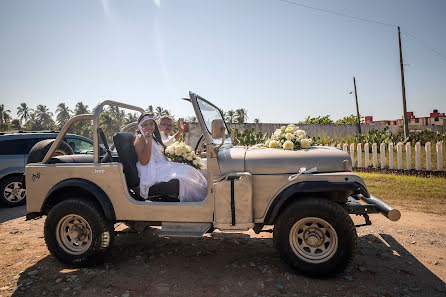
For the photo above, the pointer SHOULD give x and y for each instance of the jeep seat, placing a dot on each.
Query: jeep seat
(165, 191)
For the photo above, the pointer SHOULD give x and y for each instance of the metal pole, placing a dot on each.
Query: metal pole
(403, 89)
(357, 107)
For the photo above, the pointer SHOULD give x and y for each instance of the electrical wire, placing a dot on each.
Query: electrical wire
(338, 13)
(365, 20)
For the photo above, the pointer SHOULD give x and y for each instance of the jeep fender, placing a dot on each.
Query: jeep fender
(84, 186)
(310, 187)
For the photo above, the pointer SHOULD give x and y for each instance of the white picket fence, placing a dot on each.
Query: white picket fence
(360, 155)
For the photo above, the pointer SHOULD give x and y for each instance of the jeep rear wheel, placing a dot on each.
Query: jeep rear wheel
(76, 232)
(315, 236)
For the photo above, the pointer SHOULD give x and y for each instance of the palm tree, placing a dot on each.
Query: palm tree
(130, 118)
(63, 114)
(4, 114)
(15, 124)
(150, 109)
(241, 115)
(44, 116)
(159, 112)
(229, 116)
(109, 124)
(81, 108)
(257, 121)
(23, 111)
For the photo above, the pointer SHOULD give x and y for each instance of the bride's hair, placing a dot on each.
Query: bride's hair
(156, 134)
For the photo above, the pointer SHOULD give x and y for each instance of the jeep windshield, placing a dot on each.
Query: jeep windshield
(210, 112)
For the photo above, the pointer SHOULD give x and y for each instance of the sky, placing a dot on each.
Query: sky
(281, 62)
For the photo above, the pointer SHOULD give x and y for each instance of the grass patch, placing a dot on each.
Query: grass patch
(410, 192)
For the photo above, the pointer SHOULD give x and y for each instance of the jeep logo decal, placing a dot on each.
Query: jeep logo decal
(35, 176)
(99, 171)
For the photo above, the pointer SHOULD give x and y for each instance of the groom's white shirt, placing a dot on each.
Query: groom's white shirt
(167, 140)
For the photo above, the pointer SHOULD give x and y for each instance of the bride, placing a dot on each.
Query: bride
(153, 166)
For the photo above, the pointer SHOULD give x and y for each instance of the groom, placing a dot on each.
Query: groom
(165, 127)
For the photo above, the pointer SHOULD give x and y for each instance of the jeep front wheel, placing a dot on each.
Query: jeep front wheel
(315, 236)
(76, 232)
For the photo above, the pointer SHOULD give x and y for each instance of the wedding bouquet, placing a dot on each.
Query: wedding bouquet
(289, 138)
(182, 153)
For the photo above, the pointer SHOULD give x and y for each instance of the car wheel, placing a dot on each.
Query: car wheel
(40, 149)
(315, 236)
(12, 191)
(76, 232)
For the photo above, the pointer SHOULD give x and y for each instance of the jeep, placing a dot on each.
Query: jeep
(307, 195)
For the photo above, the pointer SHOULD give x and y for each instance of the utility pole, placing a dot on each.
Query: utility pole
(357, 107)
(403, 89)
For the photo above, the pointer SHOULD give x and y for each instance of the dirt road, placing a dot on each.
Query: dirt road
(406, 258)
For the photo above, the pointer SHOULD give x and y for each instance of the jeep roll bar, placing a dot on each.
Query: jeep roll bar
(89, 117)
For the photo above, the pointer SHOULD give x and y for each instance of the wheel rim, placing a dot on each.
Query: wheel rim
(14, 192)
(74, 234)
(313, 240)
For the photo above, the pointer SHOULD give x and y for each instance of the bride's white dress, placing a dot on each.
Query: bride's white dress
(193, 185)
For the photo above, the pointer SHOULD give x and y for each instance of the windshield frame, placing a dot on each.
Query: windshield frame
(195, 100)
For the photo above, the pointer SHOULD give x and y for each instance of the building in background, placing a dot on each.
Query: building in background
(435, 118)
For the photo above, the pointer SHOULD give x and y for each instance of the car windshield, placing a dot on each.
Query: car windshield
(210, 113)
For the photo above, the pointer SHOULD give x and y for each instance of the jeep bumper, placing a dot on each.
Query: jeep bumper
(371, 205)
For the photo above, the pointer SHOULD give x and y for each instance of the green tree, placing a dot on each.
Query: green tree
(256, 121)
(241, 115)
(130, 118)
(4, 114)
(149, 109)
(83, 128)
(320, 120)
(81, 108)
(350, 120)
(109, 124)
(44, 117)
(160, 111)
(63, 114)
(15, 124)
(229, 116)
(32, 123)
(23, 111)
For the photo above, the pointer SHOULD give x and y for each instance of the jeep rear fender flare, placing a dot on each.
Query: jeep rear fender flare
(86, 186)
(310, 187)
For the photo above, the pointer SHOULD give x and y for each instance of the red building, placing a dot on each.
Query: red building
(434, 118)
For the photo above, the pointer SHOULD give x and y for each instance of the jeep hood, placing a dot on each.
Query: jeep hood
(277, 161)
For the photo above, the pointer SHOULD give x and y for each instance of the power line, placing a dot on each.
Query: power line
(425, 44)
(338, 13)
(422, 42)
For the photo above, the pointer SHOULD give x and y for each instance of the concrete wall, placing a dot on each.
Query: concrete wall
(331, 131)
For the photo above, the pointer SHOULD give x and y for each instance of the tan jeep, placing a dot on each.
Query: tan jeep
(306, 194)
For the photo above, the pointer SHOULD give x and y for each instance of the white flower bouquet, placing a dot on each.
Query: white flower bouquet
(289, 138)
(182, 153)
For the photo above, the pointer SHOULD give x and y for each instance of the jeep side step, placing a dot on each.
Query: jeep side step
(175, 229)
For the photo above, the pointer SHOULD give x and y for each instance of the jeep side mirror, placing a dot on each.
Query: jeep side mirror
(218, 129)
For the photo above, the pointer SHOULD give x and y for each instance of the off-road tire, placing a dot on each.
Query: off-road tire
(11, 191)
(101, 232)
(318, 218)
(39, 150)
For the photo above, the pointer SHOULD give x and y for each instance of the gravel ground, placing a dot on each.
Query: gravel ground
(406, 258)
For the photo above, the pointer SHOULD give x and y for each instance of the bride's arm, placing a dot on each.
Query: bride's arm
(143, 149)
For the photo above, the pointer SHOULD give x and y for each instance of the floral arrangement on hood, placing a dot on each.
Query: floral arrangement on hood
(289, 138)
(180, 152)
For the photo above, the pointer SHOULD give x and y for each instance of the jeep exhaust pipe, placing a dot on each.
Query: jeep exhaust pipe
(385, 209)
